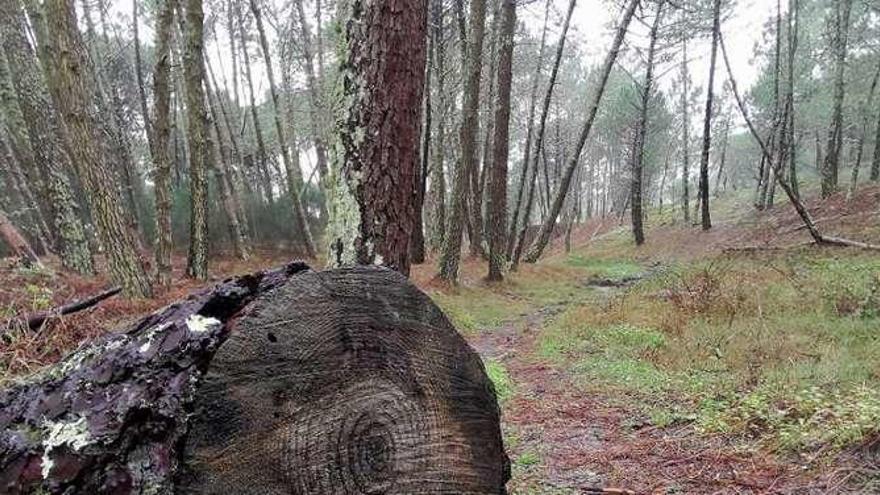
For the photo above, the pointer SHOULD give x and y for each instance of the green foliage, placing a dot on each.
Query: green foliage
(606, 268)
(504, 388)
(472, 311)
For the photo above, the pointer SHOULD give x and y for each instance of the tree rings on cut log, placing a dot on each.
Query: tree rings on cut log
(345, 382)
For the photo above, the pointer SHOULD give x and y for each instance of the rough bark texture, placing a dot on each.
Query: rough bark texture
(497, 207)
(705, 218)
(197, 137)
(290, 381)
(381, 79)
(46, 137)
(550, 223)
(462, 179)
(111, 416)
(642, 131)
(161, 139)
(831, 166)
(71, 78)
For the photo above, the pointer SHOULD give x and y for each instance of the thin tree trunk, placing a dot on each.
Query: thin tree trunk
(547, 229)
(471, 69)
(723, 162)
(831, 165)
(686, 129)
(438, 175)
(863, 132)
(533, 100)
(642, 130)
(417, 243)
(707, 124)
(289, 157)
(539, 137)
(70, 76)
(498, 180)
(315, 106)
(262, 157)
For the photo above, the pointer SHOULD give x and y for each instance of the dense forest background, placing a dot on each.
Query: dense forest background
(263, 159)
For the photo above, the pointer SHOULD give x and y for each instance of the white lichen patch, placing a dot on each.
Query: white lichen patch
(200, 324)
(74, 434)
(151, 336)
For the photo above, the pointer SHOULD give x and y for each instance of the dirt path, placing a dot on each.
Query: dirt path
(564, 440)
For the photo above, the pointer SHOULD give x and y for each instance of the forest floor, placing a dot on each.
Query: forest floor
(742, 360)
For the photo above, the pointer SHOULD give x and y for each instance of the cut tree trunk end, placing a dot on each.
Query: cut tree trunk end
(290, 381)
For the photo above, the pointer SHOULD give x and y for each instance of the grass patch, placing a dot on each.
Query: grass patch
(782, 350)
(605, 267)
(500, 379)
(472, 310)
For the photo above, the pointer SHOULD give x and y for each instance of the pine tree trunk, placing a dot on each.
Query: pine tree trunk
(70, 78)
(46, 138)
(197, 137)
(865, 111)
(550, 223)
(25, 156)
(533, 100)
(498, 179)
(417, 243)
(538, 146)
(831, 166)
(463, 179)
(288, 157)
(262, 167)
(875, 162)
(642, 131)
(705, 218)
(315, 106)
(382, 77)
(437, 192)
(161, 139)
(686, 130)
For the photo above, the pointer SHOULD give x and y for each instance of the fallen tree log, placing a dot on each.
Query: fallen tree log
(292, 381)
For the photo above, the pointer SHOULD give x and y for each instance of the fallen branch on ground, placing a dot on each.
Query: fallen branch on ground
(36, 320)
(796, 202)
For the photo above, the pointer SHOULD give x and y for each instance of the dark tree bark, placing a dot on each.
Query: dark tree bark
(705, 217)
(382, 77)
(497, 207)
(875, 162)
(533, 99)
(538, 145)
(831, 166)
(170, 404)
(462, 179)
(637, 188)
(197, 137)
(547, 228)
(71, 77)
(289, 157)
(46, 138)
